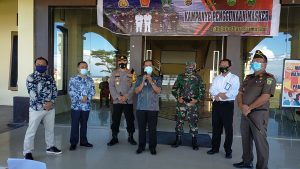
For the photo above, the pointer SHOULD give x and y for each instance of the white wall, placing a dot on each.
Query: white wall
(8, 20)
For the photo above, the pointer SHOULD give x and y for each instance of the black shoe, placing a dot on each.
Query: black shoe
(243, 165)
(131, 139)
(86, 144)
(194, 143)
(140, 150)
(153, 151)
(28, 156)
(211, 152)
(53, 150)
(113, 141)
(177, 142)
(228, 155)
(73, 147)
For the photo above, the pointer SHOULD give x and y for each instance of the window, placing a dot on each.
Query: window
(13, 81)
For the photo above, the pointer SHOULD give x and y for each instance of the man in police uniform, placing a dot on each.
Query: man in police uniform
(121, 86)
(253, 101)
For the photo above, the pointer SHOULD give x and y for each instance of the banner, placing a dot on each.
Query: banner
(191, 17)
(291, 83)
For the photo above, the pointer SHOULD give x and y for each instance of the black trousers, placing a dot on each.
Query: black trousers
(145, 117)
(118, 109)
(79, 117)
(222, 116)
(106, 101)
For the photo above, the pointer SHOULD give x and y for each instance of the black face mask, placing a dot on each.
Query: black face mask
(223, 69)
(122, 65)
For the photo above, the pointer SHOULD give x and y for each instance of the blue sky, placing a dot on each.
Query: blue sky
(94, 41)
(276, 48)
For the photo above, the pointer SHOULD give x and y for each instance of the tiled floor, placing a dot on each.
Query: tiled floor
(283, 139)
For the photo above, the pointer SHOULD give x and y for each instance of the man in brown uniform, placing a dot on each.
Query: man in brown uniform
(156, 22)
(253, 101)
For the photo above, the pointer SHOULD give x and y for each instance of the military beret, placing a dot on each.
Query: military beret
(259, 54)
(122, 57)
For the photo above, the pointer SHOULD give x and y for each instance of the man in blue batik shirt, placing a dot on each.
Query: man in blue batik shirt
(42, 92)
(81, 91)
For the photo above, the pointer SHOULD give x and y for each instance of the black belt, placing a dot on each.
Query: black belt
(229, 101)
(253, 110)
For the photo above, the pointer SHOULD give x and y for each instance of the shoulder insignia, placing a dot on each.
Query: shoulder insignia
(133, 77)
(269, 75)
(269, 81)
(249, 76)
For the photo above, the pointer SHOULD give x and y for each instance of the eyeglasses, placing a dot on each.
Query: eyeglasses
(257, 62)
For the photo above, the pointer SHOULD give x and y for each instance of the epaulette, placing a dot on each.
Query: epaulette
(133, 75)
(269, 74)
(250, 76)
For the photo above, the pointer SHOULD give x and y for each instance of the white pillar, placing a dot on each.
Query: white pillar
(25, 43)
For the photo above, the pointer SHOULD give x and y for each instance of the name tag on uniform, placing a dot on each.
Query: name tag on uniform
(227, 86)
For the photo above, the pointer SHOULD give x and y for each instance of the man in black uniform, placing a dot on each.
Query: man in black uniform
(104, 91)
(131, 21)
(253, 101)
(123, 21)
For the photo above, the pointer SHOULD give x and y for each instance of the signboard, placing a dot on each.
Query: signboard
(190, 17)
(291, 83)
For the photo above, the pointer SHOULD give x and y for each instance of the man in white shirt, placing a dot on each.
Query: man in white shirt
(224, 89)
(139, 22)
(147, 21)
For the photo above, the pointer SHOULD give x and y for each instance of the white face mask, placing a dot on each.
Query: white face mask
(148, 70)
(83, 71)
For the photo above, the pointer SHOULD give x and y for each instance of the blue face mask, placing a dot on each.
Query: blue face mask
(83, 71)
(148, 70)
(41, 69)
(256, 66)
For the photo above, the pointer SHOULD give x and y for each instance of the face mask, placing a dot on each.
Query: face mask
(190, 67)
(83, 71)
(223, 69)
(189, 70)
(256, 66)
(148, 70)
(41, 69)
(122, 65)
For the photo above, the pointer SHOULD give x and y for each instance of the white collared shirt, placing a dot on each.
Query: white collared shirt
(229, 85)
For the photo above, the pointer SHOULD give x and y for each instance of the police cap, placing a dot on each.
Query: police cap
(122, 57)
(259, 54)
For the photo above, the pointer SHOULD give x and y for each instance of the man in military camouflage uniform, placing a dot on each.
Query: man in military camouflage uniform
(253, 101)
(121, 87)
(188, 90)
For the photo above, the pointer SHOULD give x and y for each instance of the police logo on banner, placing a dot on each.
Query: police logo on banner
(123, 4)
(251, 2)
(231, 2)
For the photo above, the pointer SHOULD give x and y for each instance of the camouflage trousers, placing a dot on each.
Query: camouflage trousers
(186, 113)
